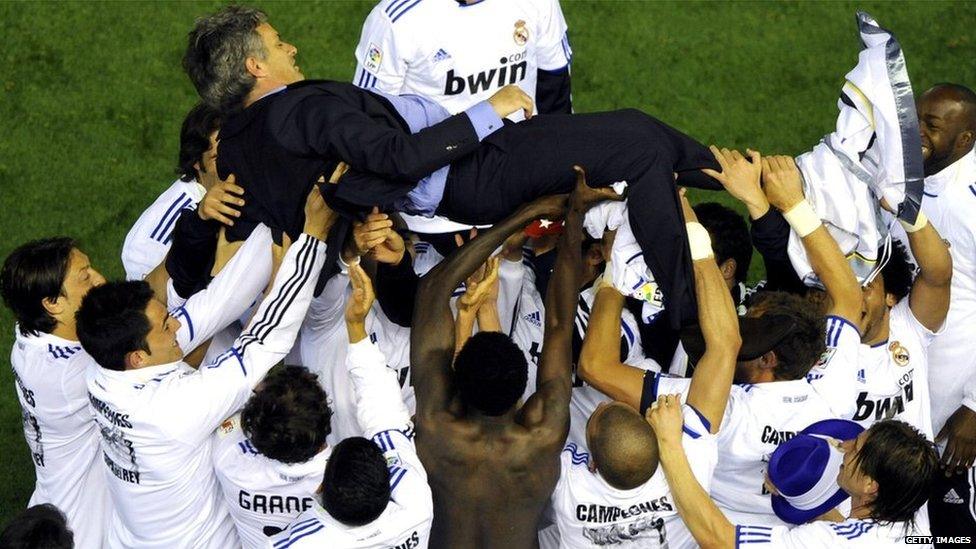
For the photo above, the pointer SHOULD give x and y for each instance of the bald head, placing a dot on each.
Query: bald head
(622, 445)
(947, 122)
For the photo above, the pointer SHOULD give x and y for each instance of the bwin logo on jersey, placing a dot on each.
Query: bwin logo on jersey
(534, 318)
(512, 71)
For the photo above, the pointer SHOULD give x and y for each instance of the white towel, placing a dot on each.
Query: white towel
(875, 151)
(628, 272)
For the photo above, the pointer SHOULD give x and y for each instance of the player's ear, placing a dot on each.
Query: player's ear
(728, 268)
(136, 360)
(255, 67)
(55, 306)
(769, 360)
(890, 300)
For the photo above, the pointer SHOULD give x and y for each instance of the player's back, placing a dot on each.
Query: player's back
(491, 479)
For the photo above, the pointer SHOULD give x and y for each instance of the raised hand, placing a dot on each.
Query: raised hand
(319, 217)
(377, 238)
(480, 286)
(222, 202)
(741, 178)
(510, 99)
(361, 299)
(666, 418)
(686, 209)
(782, 182)
(585, 197)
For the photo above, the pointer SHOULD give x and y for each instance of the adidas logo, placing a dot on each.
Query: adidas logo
(441, 55)
(952, 497)
(534, 318)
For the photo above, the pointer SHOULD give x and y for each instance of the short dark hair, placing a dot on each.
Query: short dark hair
(801, 349)
(112, 322)
(624, 448)
(35, 271)
(965, 96)
(39, 527)
(730, 236)
(490, 373)
(898, 273)
(288, 418)
(216, 53)
(904, 464)
(200, 122)
(356, 486)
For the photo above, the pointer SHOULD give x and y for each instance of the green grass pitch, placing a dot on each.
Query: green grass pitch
(92, 95)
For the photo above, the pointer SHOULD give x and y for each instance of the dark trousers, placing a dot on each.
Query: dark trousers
(535, 158)
(952, 509)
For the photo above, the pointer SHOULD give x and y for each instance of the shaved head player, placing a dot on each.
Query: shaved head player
(491, 464)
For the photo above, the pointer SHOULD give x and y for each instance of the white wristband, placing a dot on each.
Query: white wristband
(698, 241)
(920, 222)
(345, 266)
(803, 219)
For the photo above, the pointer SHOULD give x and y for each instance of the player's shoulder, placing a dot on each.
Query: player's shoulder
(230, 438)
(307, 525)
(403, 13)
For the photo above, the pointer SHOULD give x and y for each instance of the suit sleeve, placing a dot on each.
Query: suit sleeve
(327, 126)
(208, 396)
(396, 286)
(228, 295)
(770, 235)
(381, 62)
(191, 257)
(379, 405)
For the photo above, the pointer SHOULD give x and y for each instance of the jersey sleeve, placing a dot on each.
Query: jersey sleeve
(408, 478)
(656, 384)
(327, 309)
(834, 376)
(379, 404)
(510, 274)
(201, 400)
(228, 295)
(700, 445)
(814, 535)
(552, 50)
(902, 313)
(379, 63)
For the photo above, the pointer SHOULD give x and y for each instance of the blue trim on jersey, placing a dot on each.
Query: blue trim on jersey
(842, 320)
(876, 345)
(189, 322)
(403, 11)
(462, 4)
(240, 359)
(292, 539)
(972, 189)
(567, 50)
(930, 195)
(752, 534)
(577, 456)
(172, 220)
(629, 333)
(633, 257)
(707, 424)
(162, 221)
(690, 433)
(852, 531)
(396, 475)
(394, 5)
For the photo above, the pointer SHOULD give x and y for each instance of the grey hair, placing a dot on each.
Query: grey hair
(216, 52)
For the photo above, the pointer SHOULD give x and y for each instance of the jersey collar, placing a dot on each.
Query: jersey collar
(951, 174)
(140, 375)
(312, 467)
(44, 339)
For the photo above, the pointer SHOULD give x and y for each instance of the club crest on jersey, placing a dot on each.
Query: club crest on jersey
(521, 34)
(899, 353)
(374, 56)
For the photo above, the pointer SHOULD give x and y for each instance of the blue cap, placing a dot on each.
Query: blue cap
(804, 470)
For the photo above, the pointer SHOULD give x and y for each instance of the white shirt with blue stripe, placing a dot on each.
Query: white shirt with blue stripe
(826, 535)
(150, 237)
(157, 422)
(384, 419)
(590, 513)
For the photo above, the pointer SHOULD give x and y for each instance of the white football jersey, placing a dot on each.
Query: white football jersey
(895, 372)
(384, 419)
(836, 376)
(591, 513)
(758, 418)
(826, 535)
(157, 422)
(263, 495)
(150, 237)
(950, 199)
(324, 345)
(585, 398)
(458, 55)
(49, 376)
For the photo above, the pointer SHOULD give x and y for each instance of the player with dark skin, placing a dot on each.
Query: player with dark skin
(492, 475)
(947, 122)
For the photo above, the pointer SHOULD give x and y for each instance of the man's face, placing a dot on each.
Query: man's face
(163, 347)
(280, 61)
(81, 277)
(207, 166)
(850, 478)
(941, 122)
(874, 308)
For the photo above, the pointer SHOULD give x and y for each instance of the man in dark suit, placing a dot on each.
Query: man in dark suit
(283, 133)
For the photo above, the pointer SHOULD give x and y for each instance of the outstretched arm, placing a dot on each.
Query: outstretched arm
(712, 380)
(929, 300)
(599, 361)
(432, 339)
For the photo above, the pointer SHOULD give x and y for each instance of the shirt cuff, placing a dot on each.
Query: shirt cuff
(365, 352)
(484, 119)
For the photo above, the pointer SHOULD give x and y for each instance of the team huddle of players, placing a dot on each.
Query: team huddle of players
(516, 385)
